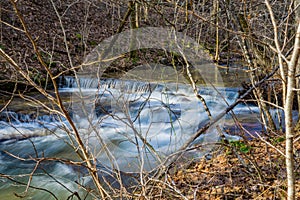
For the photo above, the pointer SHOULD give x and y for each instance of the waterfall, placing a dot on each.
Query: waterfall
(124, 114)
(130, 86)
(139, 123)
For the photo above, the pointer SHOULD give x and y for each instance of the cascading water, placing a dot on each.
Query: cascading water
(128, 125)
(126, 113)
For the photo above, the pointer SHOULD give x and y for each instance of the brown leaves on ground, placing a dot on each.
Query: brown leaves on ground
(234, 174)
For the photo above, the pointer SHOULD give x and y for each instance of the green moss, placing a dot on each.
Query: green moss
(241, 146)
(78, 35)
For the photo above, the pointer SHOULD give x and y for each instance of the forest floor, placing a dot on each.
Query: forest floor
(252, 169)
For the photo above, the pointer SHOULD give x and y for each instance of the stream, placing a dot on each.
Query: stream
(128, 125)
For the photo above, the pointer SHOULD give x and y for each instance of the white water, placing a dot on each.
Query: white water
(125, 113)
(116, 114)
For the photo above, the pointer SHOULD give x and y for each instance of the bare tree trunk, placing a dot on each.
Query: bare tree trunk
(133, 5)
(291, 83)
(297, 19)
(247, 44)
(216, 15)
